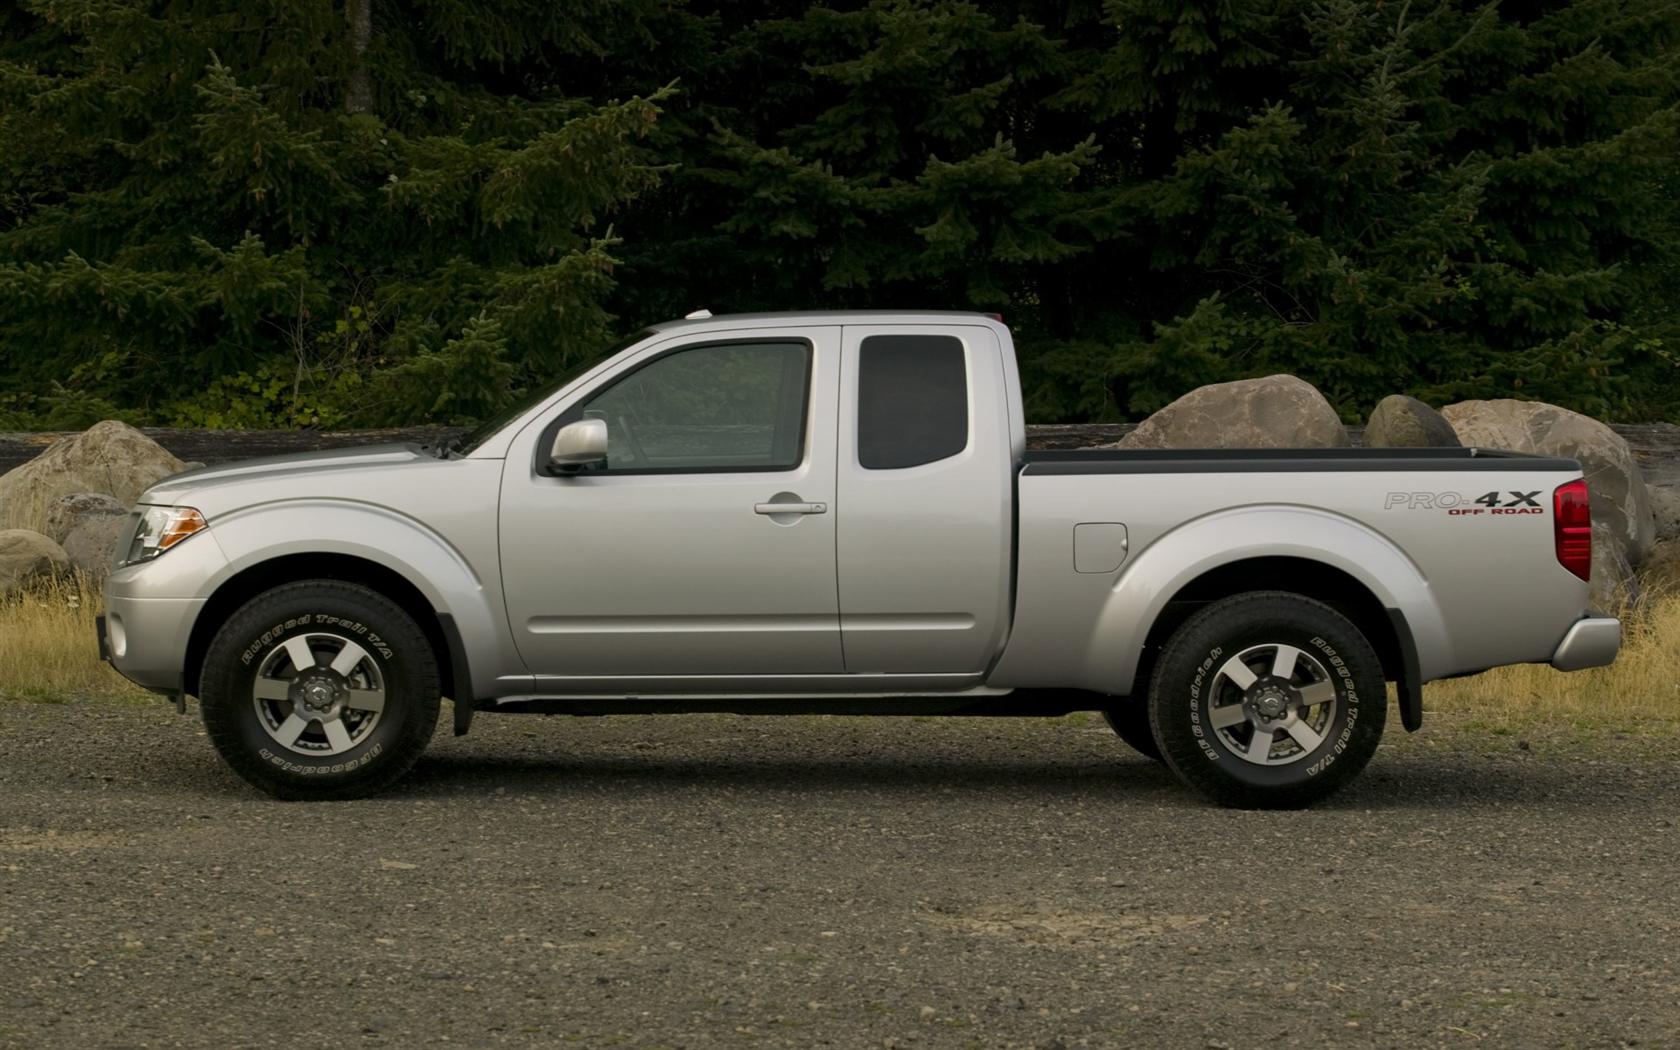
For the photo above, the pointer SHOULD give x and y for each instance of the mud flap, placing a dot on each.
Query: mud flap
(1409, 685)
(460, 685)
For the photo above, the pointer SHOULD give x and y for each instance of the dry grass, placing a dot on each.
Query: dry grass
(48, 654)
(48, 650)
(1638, 694)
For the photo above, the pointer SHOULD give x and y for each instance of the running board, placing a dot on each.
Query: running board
(1044, 703)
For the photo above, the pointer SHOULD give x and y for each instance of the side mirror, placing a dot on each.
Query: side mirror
(577, 445)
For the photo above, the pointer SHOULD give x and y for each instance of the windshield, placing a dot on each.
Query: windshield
(484, 430)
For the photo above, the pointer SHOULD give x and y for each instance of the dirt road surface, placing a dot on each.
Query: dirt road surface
(729, 882)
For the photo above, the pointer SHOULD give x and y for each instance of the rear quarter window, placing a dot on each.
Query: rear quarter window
(912, 400)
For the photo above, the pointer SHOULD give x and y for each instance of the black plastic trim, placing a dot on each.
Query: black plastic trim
(1262, 460)
(1409, 686)
(460, 686)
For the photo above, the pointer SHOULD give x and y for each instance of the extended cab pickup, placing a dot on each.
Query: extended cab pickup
(836, 512)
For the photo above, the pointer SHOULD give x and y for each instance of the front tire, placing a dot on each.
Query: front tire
(321, 689)
(1268, 700)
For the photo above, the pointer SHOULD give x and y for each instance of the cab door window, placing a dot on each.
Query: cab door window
(718, 408)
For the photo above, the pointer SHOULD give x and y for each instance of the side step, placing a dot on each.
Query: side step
(1044, 703)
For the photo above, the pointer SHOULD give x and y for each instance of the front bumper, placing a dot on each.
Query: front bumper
(1592, 642)
(145, 639)
(102, 629)
(150, 609)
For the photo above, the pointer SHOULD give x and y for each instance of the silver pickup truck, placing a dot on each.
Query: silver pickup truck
(837, 513)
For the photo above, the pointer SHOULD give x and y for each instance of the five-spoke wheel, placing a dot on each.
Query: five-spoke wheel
(318, 694)
(1272, 704)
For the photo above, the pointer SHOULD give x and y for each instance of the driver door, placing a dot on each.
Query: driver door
(669, 560)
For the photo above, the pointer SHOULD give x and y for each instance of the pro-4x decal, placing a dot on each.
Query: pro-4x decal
(1459, 504)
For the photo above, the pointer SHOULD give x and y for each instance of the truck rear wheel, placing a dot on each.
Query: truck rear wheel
(320, 690)
(1268, 700)
(1130, 721)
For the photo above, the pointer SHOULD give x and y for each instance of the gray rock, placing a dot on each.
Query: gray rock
(108, 457)
(1278, 411)
(1665, 510)
(26, 555)
(68, 512)
(1614, 583)
(1399, 421)
(1621, 506)
(91, 544)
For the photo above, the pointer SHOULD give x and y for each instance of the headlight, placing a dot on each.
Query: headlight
(162, 528)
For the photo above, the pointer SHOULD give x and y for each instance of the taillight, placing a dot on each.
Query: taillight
(1572, 527)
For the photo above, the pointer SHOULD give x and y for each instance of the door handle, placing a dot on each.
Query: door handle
(790, 508)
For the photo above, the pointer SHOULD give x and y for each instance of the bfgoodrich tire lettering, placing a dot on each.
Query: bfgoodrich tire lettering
(320, 689)
(1268, 700)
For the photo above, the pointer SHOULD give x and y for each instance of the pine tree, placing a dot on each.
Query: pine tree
(1453, 200)
(197, 191)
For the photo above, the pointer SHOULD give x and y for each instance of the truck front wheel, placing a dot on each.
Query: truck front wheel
(1268, 700)
(322, 689)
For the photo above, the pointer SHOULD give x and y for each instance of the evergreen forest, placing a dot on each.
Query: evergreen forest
(282, 213)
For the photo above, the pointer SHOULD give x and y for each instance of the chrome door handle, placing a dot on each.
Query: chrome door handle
(790, 508)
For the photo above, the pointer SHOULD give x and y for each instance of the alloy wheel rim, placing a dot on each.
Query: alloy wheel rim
(1272, 704)
(318, 694)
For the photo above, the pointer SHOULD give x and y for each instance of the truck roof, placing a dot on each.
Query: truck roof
(789, 318)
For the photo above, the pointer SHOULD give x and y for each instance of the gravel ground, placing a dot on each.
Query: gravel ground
(716, 881)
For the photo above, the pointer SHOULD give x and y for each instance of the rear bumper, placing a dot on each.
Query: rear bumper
(1592, 642)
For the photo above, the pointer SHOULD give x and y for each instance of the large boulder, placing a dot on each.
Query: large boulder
(66, 513)
(109, 457)
(1614, 582)
(91, 545)
(1274, 412)
(1665, 510)
(25, 555)
(1399, 421)
(1621, 507)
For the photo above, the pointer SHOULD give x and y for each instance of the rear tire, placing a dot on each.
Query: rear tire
(1129, 719)
(1268, 700)
(321, 689)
